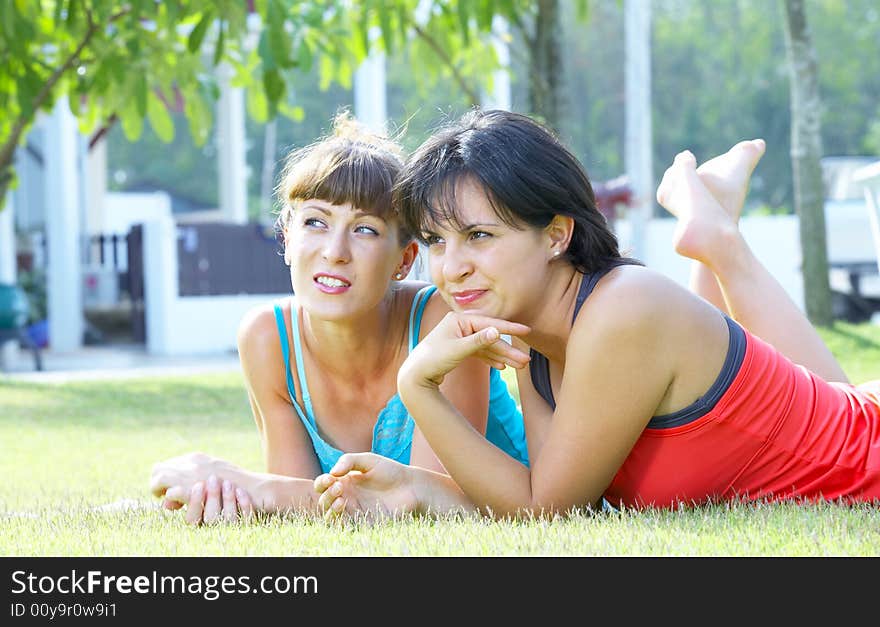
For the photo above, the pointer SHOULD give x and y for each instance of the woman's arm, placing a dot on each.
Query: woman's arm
(175, 479)
(466, 387)
(609, 391)
(287, 448)
(291, 463)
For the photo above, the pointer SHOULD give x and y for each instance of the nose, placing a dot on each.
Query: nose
(455, 264)
(336, 247)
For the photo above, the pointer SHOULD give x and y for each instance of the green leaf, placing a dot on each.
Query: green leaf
(28, 88)
(265, 52)
(56, 17)
(257, 105)
(140, 94)
(325, 73)
(198, 33)
(73, 101)
(278, 40)
(71, 13)
(304, 55)
(6, 18)
(159, 118)
(198, 114)
(485, 13)
(218, 48)
(464, 21)
(295, 113)
(364, 29)
(274, 87)
(387, 30)
(132, 121)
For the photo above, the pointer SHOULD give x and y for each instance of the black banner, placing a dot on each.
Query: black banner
(95, 590)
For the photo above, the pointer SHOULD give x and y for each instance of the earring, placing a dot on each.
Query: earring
(398, 275)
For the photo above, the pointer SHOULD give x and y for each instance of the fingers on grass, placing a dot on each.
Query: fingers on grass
(245, 505)
(213, 501)
(230, 503)
(327, 502)
(175, 494)
(336, 509)
(196, 505)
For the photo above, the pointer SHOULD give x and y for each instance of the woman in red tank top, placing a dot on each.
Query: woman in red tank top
(638, 390)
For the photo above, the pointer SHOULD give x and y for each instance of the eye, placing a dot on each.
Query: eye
(431, 240)
(315, 222)
(478, 235)
(365, 228)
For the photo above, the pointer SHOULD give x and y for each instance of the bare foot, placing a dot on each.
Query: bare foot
(727, 175)
(704, 227)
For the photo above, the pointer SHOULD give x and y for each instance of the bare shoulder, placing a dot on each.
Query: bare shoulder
(629, 303)
(258, 332)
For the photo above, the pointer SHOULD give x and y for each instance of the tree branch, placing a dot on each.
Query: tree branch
(8, 149)
(440, 52)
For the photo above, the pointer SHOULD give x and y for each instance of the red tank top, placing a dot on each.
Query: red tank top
(778, 432)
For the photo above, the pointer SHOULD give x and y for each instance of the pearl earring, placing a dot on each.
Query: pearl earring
(398, 275)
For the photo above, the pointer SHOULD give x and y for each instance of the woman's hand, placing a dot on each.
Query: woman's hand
(183, 471)
(457, 337)
(210, 502)
(366, 484)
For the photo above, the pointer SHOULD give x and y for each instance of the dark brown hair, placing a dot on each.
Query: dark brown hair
(527, 174)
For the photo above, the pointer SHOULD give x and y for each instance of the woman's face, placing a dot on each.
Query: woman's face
(341, 259)
(486, 266)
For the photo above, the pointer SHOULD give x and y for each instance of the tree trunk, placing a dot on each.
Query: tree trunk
(545, 65)
(806, 151)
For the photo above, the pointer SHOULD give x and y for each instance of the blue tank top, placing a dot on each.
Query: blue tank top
(392, 434)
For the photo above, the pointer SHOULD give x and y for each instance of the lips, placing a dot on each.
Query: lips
(467, 297)
(331, 284)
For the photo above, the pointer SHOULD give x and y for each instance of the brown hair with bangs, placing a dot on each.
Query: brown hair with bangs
(350, 165)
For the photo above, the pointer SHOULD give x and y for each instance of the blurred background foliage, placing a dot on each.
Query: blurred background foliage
(719, 75)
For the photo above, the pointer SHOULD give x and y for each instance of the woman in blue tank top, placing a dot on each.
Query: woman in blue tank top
(321, 367)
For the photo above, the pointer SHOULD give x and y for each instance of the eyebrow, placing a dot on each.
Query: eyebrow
(430, 230)
(468, 227)
(357, 212)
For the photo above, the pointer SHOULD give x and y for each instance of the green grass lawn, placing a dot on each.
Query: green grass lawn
(77, 457)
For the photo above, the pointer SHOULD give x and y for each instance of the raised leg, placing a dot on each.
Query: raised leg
(706, 232)
(727, 177)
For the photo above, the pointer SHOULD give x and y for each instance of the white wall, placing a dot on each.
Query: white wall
(188, 325)
(124, 209)
(773, 239)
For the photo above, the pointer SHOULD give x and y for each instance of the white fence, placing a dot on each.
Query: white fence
(178, 325)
